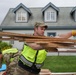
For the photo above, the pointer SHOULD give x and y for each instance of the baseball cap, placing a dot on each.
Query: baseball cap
(37, 24)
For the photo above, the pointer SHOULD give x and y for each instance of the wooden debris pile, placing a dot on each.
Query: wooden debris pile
(49, 42)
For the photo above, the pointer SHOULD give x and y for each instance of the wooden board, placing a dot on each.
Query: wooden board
(49, 42)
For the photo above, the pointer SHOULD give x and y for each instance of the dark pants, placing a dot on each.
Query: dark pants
(21, 71)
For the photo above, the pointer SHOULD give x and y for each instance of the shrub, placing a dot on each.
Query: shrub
(4, 45)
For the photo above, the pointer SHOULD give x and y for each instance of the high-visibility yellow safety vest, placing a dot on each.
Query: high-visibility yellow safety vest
(11, 50)
(29, 56)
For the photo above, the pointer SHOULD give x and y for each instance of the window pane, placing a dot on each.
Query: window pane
(52, 16)
(11, 42)
(21, 17)
(51, 34)
(48, 15)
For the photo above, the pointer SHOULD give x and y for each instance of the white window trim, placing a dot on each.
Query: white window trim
(50, 16)
(22, 15)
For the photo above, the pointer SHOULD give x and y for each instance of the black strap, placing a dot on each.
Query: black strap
(36, 57)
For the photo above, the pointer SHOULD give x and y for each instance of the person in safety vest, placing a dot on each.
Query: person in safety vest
(10, 57)
(33, 55)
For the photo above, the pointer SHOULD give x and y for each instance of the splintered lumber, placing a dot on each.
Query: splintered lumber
(32, 38)
(52, 49)
(49, 42)
(54, 45)
(12, 38)
(10, 34)
(45, 72)
(27, 37)
(51, 39)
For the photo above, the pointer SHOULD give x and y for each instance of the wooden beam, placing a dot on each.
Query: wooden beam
(49, 42)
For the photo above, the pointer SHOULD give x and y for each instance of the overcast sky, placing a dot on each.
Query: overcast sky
(6, 4)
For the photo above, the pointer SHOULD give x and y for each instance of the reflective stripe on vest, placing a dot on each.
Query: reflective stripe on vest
(28, 63)
(28, 56)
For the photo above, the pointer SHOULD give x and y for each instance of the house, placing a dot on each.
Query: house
(21, 19)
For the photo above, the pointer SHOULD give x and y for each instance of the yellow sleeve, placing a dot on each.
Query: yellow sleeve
(73, 32)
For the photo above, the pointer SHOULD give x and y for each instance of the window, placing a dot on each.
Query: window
(75, 15)
(21, 17)
(11, 42)
(50, 16)
(51, 34)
